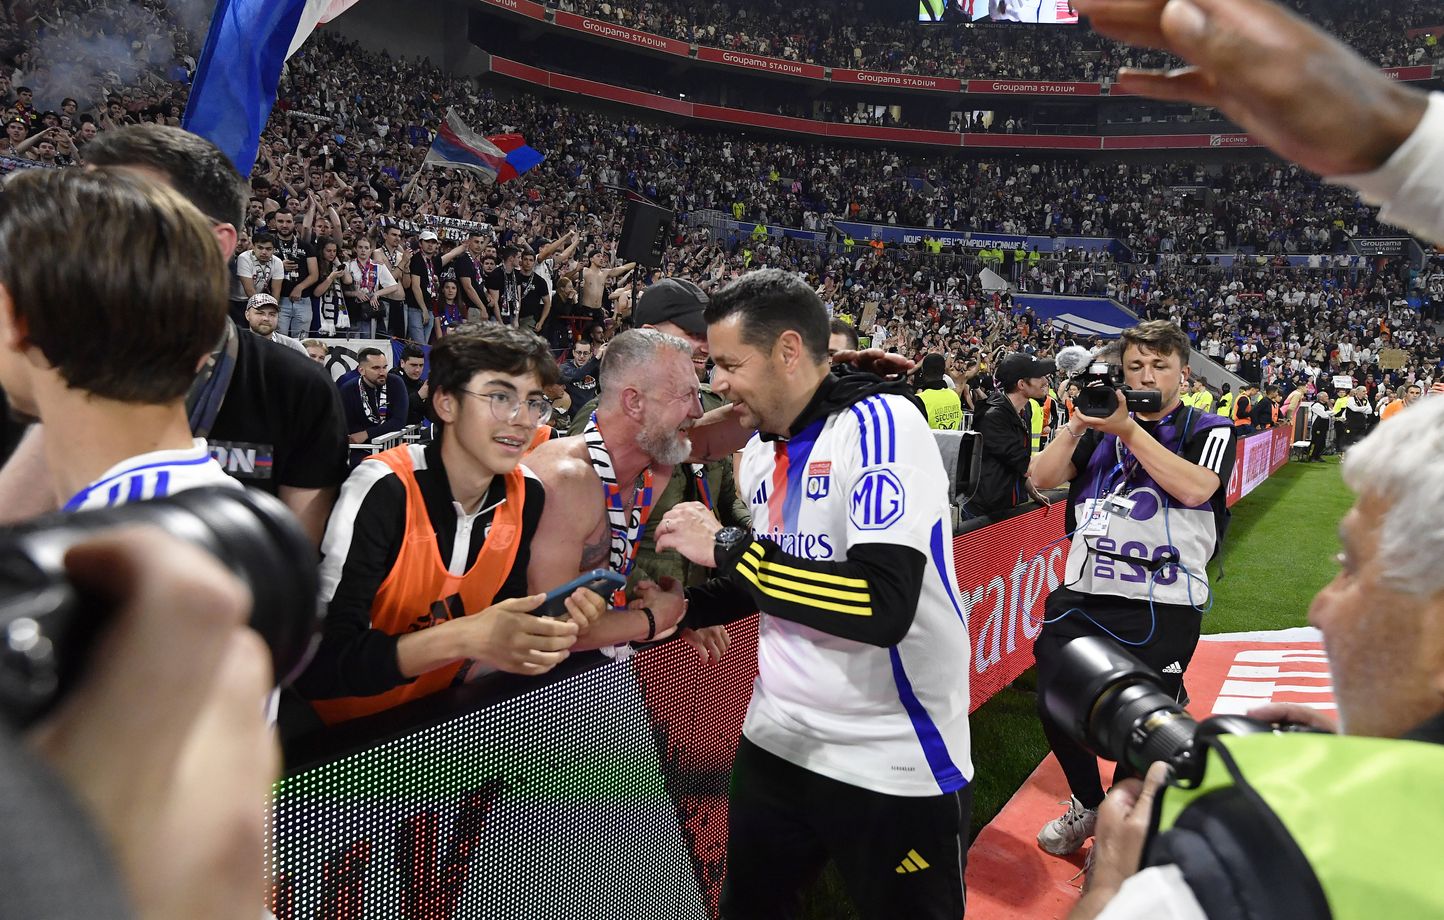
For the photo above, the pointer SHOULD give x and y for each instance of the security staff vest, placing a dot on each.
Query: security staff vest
(945, 409)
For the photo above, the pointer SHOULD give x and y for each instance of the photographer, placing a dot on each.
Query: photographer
(143, 793)
(1382, 618)
(1147, 491)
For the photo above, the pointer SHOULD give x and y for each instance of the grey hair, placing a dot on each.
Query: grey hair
(1399, 463)
(632, 354)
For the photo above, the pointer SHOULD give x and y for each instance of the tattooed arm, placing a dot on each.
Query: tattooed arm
(573, 537)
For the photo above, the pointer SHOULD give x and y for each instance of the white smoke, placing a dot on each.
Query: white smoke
(116, 45)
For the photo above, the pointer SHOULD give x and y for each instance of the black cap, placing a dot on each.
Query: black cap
(673, 300)
(1017, 367)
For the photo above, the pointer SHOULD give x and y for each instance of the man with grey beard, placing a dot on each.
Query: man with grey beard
(601, 485)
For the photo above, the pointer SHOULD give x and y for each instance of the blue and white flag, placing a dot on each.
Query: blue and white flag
(235, 82)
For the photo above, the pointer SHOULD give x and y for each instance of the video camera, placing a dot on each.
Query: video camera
(1099, 383)
(1113, 704)
(48, 625)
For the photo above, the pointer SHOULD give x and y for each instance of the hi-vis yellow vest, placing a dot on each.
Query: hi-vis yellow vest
(945, 408)
(1364, 813)
(1042, 413)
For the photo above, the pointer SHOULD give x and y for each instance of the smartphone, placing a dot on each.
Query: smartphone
(601, 581)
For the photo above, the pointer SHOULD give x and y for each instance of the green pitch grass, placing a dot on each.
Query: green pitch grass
(1278, 553)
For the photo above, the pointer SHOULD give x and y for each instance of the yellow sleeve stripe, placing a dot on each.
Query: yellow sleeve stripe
(773, 588)
(754, 554)
(762, 572)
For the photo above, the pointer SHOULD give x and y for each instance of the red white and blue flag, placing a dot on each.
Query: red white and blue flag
(497, 158)
(235, 81)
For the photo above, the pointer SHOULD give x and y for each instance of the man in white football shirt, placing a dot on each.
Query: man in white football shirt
(856, 742)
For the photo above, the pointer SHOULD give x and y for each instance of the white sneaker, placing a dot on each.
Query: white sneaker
(1063, 836)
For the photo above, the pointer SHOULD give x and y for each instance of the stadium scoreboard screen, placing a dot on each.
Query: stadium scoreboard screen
(1042, 11)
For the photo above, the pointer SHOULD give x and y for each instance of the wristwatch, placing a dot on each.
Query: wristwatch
(728, 545)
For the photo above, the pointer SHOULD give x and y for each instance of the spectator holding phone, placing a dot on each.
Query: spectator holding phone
(426, 553)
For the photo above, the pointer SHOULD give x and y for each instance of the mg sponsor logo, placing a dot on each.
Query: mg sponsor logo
(878, 500)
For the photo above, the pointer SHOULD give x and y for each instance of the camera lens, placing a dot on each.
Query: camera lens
(1136, 723)
(48, 626)
(1111, 702)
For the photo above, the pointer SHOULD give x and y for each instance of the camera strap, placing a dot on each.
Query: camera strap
(208, 390)
(1152, 565)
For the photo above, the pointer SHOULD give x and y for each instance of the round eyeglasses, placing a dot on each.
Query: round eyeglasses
(505, 407)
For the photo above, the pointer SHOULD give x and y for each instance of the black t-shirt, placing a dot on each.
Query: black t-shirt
(295, 253)
(534, 291)
(353, 658)
(507, 285)
(467, 267)
(430, 281)
(281, 422)
(581, 382)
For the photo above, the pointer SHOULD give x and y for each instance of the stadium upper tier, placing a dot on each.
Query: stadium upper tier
(793, 183)
(847, 36)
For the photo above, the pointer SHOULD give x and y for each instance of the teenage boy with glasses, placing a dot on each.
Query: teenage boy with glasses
(426, 554)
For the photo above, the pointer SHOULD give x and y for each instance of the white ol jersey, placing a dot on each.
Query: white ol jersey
(153, 475)
(893, 720)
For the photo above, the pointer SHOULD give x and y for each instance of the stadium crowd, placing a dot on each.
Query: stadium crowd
(846, 36)
(341, 162)
(346, 232)
(345, 166)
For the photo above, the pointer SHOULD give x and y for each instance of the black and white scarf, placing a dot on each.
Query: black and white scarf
(378, 413)
(626, 531)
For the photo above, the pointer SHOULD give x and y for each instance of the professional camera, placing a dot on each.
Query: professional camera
(1098, 383)
(48, 625)
(1114, 705)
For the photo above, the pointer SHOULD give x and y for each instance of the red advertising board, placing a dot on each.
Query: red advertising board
(653, 101)
(524, 7)
(823, 128)
(875, 133)
(1423, 72)
(897, 80)
(520, 71)
(760, 62)
(1032, 141)
(1031, 88)
(1005, 572)
(731, 116)
(1259, 457)
(622, 34)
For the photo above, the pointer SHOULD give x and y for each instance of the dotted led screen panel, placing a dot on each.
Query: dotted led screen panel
(599, 796)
